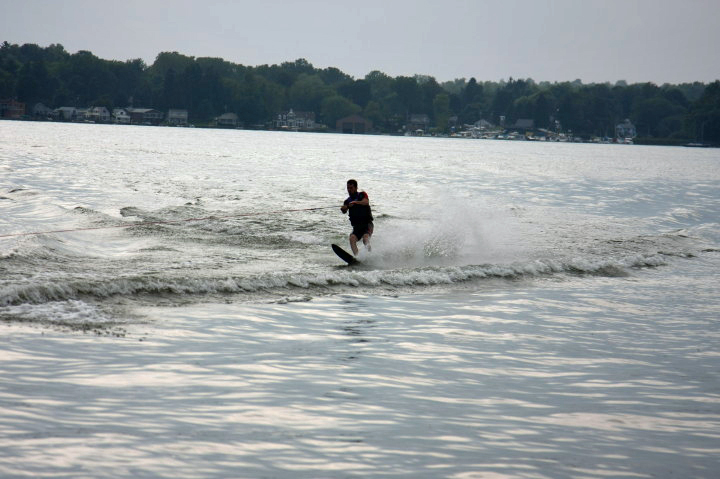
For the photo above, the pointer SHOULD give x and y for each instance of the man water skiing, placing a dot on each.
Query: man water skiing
(358, 204)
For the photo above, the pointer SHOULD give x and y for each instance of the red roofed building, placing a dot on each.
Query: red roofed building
(11, 109)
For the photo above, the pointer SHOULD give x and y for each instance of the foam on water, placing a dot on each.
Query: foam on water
(70, 313)
(54, 288)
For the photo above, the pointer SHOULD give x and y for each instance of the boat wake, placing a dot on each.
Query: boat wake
(170, 285)
(79, 280)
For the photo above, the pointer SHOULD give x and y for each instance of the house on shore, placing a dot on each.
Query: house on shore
(64, 113)
(41, 112)
(483, 125)
(121, 116)
(625, 130)
(177, 117)
(417, 123)
(353, 124)
(11, 109)
(295, 120)
(145, 116)
(80, 114)
(227, 120)
(98, 114)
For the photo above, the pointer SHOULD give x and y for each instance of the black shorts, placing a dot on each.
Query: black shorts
(361, 230)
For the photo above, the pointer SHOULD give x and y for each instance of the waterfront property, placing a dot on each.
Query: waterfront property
(418, 123)
(41, 111)
(121, 116)
(625, 130)
(295, 120)
(227, 120)
(98, 114)
(145, 116)
(353, 124)
(11, 109)
(64, 113)
(177, 117)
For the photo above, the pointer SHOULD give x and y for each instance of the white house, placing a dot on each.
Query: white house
(177, 117)
(98, 114)
(65, 113)
(81, 114)
(227, 119)
(483, 124)
(296, 120)
(121, 115)
(625, 130)
(41, 111)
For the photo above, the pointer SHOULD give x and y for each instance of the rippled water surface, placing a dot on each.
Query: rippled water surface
(528, 310)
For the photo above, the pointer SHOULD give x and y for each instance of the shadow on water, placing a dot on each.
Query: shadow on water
(501, 384)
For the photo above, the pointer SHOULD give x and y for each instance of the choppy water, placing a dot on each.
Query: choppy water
(528, 310)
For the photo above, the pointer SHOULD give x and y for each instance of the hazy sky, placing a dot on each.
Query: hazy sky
(663, 41)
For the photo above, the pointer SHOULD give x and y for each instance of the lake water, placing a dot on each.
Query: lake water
(528, 310)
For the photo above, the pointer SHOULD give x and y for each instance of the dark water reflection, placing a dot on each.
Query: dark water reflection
(601, 377)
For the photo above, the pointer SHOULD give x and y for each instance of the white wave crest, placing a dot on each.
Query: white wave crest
(72, 313)
(54, 290)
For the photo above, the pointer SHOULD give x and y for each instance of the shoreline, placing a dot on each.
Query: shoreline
(637, 141)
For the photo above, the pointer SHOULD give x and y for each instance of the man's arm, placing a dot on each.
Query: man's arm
(365, 201)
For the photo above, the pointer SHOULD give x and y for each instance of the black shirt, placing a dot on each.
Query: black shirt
(359, 214)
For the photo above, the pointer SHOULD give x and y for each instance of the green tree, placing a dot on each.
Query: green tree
(542, 111)
(34, 83)
(456, 86)
(191, 80)
(165, 61)
(30, 52)
(441, 110)
(373, 111)
(204, 110)
(132, 81)
(705, 114)
(273, 98)
(409, 96)
(308, 92)
(87, 77)
(473, 93)
(336, 107)
(208, 86)
(429, 89)
(522, 108)
(651, 112)
(381, 85)
(358, 91)
(502, 104)
(287, 73)
(173, 95)
(333, 76)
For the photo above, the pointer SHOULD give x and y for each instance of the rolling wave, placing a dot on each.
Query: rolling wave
(39, 291)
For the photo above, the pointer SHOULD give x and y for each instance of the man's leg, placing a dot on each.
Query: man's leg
(353, 244)
(366, 241)
(366, 236)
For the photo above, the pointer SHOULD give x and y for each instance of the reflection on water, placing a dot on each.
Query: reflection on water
(555, 309)
(594, 378)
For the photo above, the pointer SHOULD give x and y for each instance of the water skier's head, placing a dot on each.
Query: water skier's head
(352, 187)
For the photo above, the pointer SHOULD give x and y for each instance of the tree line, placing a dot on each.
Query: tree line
(208, 87)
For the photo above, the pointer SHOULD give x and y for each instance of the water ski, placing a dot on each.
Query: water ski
(344, 255)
